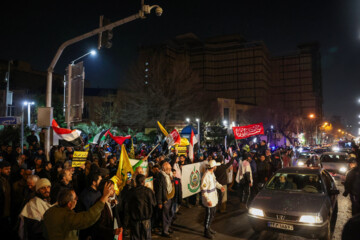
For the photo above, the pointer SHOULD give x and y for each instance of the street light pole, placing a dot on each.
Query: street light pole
(69, 96)
(199, 132)
(145, 9)
(22, 128)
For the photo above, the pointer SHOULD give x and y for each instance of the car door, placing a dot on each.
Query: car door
(330, 185)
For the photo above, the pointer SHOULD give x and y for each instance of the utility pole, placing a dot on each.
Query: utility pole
(7, 89)
(145, 9)
(68, 121)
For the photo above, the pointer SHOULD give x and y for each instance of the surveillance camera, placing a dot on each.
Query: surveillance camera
(158, 11)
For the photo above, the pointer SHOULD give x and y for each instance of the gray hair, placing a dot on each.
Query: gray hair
(33, 178)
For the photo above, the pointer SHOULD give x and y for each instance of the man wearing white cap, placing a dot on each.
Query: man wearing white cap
(32, 214)
(209, 196)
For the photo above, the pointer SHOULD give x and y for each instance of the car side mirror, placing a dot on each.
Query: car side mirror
(334, 192)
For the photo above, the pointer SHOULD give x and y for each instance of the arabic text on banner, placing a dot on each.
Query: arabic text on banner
(248, 131)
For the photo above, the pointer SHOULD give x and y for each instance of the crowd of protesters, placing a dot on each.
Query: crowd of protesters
(44, 198)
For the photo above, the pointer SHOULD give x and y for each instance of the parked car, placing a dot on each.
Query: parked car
(301, 160)
(297, 201)
(336, 163)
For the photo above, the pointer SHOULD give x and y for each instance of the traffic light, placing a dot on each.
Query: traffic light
(105, 38)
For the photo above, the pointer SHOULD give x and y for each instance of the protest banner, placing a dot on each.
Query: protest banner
(144, 165)
(79, 158)
(248, 131)
(190, 179)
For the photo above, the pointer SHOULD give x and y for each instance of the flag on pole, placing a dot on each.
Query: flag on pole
(118, 139)
(66, 137)
(173, 138)
(98, 138)
(162, 129)
(193, 141)
(124, 167)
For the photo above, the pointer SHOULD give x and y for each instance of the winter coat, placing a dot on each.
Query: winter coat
(61, 223)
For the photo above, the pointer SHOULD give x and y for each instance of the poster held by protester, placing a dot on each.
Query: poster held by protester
(190, 179)
(248, 131)
(79, 158)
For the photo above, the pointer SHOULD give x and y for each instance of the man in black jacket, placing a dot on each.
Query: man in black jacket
(160, 194)
(352, 186)
(141, 202)
(222, 177)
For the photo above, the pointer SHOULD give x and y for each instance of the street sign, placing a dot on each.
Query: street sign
(10, 120)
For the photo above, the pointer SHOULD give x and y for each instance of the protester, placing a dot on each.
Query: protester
(61, 222)
(222, 178)
(352, 186)
(33, 212)
(5, 198)
(209, 197)
(65, 178)
(141, 203)
(109, 225)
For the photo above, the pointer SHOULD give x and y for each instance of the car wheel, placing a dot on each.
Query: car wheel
(328, 232)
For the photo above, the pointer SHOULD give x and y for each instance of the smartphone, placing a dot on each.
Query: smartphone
(129, 175)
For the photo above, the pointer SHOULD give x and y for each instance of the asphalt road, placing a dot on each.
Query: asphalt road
(234, 224)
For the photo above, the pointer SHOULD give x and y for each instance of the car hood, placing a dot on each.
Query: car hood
(285, 202)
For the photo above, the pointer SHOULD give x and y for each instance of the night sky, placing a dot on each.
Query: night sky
(32, 31)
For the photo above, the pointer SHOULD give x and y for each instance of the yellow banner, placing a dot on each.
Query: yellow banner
(80, 154)
(77, 163)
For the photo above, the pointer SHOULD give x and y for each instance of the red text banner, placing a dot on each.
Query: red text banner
(248, 131)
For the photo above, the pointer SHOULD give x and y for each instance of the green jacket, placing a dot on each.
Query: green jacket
(61, 223)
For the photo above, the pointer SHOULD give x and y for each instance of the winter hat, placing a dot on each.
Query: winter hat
(43, 182)
(4, 164)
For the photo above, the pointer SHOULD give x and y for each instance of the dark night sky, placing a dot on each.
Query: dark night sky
(33, 31)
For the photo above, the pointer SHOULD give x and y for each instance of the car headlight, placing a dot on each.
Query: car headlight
(336, 149)
(343, 169)
(256, 212)
(300, 164)
(311, 219)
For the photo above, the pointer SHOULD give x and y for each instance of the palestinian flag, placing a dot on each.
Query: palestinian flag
(66, 137)
(99, 138)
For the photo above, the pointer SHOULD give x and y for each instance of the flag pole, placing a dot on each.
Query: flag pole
(153, 149)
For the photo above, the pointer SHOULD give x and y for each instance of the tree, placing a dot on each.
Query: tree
(161, 89)
(108, 111)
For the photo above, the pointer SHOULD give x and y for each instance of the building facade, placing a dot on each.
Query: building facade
(232, 68)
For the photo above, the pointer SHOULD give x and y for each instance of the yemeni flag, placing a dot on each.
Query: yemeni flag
(118, 139)
(193, 141)
(66, 137)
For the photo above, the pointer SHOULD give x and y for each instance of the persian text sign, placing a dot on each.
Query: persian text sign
(248, 131)
(190, 179)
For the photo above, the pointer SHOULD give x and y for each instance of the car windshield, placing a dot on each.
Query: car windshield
(334, 158)
(320, 150)
(296, 182)
(304, 155)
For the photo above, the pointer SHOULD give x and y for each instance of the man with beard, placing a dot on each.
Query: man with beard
(88, 198)
(33, 212)
(5, 198)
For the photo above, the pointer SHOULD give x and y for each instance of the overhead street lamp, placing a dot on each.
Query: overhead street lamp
(145, 9)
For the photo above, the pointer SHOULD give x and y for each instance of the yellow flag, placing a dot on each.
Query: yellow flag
(124, 167)
(163, 130)
(184, 142)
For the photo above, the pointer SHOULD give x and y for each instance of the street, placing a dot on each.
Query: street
(234, 224)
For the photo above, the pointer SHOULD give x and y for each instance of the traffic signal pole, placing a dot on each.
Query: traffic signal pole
(145, 9)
